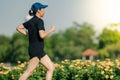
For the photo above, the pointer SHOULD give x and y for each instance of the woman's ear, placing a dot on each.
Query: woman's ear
(39, 11)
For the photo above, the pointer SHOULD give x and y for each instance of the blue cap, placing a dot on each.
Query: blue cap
(36, 6)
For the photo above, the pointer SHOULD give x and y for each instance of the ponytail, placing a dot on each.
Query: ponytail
(31, 13)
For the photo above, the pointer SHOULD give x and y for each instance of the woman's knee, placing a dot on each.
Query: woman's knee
(51, 68)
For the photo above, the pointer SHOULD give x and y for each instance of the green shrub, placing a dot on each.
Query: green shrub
(68, 70)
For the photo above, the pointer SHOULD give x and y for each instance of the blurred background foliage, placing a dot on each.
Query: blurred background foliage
(67, 44)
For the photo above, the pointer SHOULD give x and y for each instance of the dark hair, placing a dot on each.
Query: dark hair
(31, 13)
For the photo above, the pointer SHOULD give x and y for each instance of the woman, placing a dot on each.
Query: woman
(36, 33)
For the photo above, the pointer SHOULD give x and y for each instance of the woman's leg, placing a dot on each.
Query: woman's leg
(45, 61)
(31, 67)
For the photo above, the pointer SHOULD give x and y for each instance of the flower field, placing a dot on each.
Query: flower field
(68, 70)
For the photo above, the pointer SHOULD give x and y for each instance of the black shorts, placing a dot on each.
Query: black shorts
(36, 50)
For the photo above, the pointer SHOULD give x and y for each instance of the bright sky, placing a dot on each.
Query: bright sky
(61, 13)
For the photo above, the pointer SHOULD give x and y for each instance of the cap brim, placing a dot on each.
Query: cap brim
(45, 6)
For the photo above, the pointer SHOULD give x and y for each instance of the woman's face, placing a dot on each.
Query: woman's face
(41, 12)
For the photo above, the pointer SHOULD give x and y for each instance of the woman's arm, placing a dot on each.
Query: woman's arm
(44, 34)
(21, 29)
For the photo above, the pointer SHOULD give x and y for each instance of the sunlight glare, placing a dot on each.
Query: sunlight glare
(112, 11)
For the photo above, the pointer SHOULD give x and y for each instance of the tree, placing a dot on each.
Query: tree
(72, 42)
(108, 36)
(109, 41)
(4, 47)
(19, 49)
(110, 51)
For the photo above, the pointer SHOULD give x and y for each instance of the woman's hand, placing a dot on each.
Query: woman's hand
(43, 33)
(53, 28)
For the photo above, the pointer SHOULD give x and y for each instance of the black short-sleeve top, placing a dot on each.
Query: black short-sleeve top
(36, 44)
(34, 25)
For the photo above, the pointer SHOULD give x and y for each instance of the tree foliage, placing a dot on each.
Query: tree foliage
(109, 42)
(19, 49)
(4, 47)
(72, 42)
(108, 37)
(68, 44)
